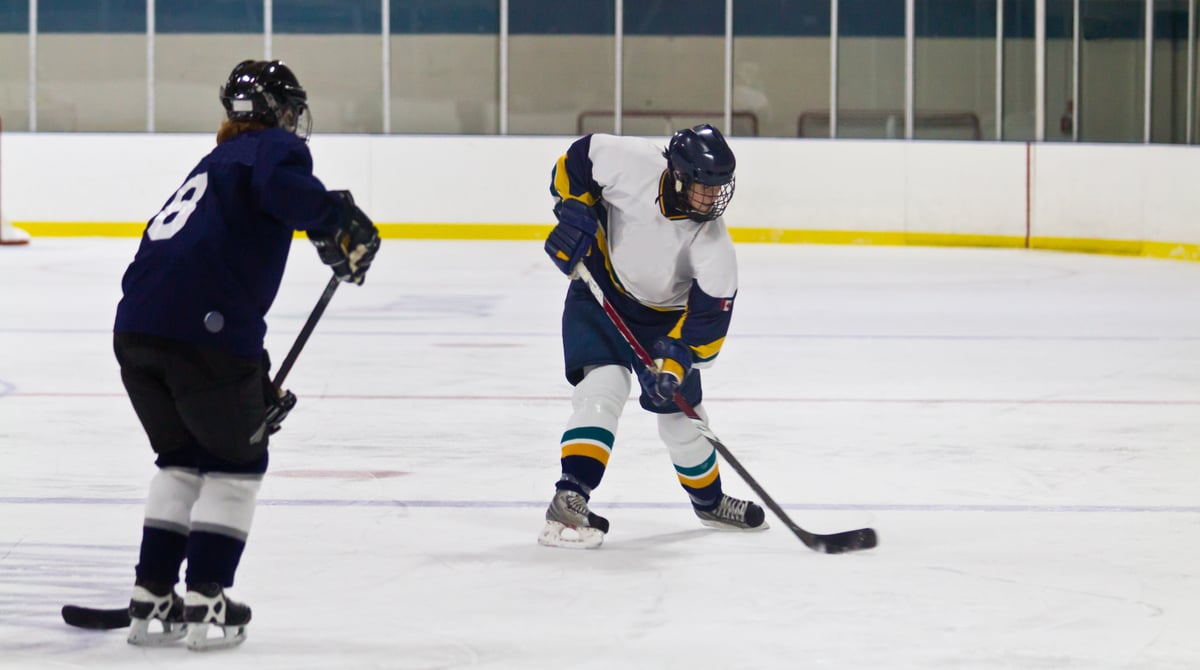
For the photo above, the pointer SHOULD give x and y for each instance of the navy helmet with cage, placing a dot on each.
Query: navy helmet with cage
(267, 92)
(701, 156)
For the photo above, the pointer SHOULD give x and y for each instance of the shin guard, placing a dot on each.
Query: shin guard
(694, 458)
(587, 443)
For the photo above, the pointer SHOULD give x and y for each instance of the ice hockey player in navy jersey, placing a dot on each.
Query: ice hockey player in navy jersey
(189, 340)
(647, 225)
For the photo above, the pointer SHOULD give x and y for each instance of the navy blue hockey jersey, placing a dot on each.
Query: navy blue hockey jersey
(211, 260)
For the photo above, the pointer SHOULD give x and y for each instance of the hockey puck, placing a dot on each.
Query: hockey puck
(214, 321)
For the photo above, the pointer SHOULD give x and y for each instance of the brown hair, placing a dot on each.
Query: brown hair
(231, 129)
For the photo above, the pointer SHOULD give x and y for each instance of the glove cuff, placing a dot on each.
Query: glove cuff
(672, 367)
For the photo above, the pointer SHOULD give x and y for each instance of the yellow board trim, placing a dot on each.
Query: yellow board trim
(535, 231)
(1113, 247)
(465, 231)
(411, 231)
(81, 229)
(1171, 250)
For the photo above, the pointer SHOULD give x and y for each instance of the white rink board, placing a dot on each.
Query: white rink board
(1121, 192)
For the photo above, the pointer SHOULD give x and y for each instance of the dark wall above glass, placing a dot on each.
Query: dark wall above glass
(208, 16)
(871, 18)
(344, 17)
(14, 17)
(537, 17)
(781, 18)
(675, 17)
(765, 18)
(471, 17)
(97, 16)
(955, 18)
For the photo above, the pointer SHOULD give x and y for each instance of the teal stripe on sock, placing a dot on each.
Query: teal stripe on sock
(697, 470)
(589, 433)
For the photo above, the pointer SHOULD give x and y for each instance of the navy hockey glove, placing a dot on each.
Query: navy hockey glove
(572, 238)
(673, 362)
(278, 404)
(277, 410)
(350, 250)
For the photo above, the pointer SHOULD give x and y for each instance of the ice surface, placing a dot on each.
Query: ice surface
(1021, 428)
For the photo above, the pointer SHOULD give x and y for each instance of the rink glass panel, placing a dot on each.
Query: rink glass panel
(91, 66)
(14, 66)
(954, 69)
(781, 63)
(562, 68)
(439, 63)
(871, 69)
(445, 66)
(673, 70)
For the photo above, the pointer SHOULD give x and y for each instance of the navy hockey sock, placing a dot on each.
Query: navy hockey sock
(213, 557)
(161, 554)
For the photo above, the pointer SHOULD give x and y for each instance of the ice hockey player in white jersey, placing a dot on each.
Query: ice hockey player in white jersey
(647, 225)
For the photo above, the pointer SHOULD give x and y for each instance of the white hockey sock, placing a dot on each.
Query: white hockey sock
(591, 430)
(694, 457)
(226, 504)
(169, 501)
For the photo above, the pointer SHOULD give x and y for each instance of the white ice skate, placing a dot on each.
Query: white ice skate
(570, 525)
(150, 603)
(205, 607)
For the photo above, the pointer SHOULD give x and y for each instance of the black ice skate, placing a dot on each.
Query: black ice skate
(571, 525)
(734, 514)
(152, 602)
(206, 605)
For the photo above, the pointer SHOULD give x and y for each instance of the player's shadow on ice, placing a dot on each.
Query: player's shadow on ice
(658, 540)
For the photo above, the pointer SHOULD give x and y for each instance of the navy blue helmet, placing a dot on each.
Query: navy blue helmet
(700, 156)
(267, 92)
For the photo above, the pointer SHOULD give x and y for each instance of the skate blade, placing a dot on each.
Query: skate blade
(726, 526)
(140, 634)
(198, 639)
(555, 534)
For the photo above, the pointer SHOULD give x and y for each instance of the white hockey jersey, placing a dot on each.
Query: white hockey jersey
(651, 253)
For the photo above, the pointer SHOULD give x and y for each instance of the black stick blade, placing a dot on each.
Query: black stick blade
(851, 540)
(95, 619)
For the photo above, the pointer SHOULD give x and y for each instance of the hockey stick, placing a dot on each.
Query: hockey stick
(94, 618)
(287, 400)
(306, 331)
(835, 543)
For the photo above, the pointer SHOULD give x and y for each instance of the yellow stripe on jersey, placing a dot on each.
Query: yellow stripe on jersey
(706, 352)
(562, 184)
(677, 331)
(662, 200)
(602, 245)
(701, 352)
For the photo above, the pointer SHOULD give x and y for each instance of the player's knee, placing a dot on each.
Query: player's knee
(677, 428)
(172, 493)
(226, 504)
(603, 390)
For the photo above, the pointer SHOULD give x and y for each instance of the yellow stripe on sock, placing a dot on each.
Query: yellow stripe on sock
(700, 482)
(593, 451)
